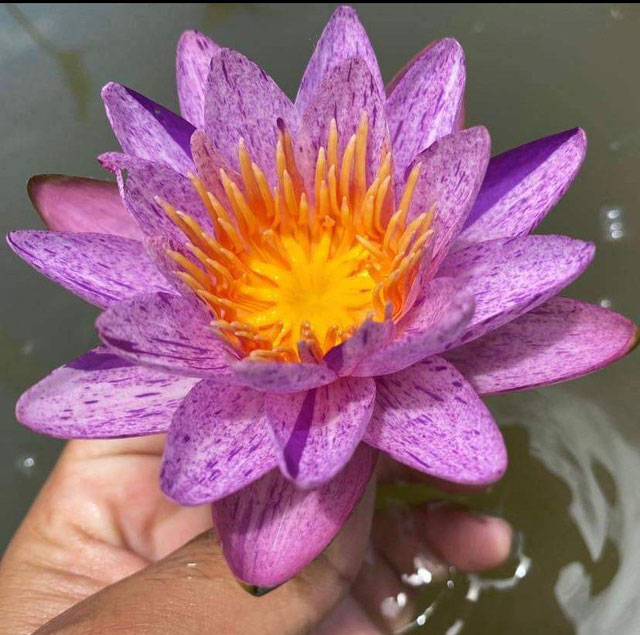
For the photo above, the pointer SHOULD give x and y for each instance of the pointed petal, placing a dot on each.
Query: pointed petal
(509, 277)
(346, 92)
(430, 418)
(271, 530)
(193, 59)
(101, 396)
(100, 268)
(559, 340)
(451, 175)
(425, 102)
(77, 204)
(148, 130)
(438, 317)
(148, 180)
(317, 431)
(370, 338)
(218, 443)
(523, 185)
(281, 377)
(343, 37)
(167, 332)
(243, 102)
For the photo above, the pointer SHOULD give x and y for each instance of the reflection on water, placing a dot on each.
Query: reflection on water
(571, 490)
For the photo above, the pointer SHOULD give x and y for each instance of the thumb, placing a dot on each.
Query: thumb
(193, 591)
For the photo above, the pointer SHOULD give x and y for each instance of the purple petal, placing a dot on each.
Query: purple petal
(280, 376)
(439, 317)
(425, 102)
(193, 59)
(343, 37)
(522, 186)
(430, 418)
(100, 396)
(243, 102)
(167, 332)
(77, 204)
(218, 443)
(148, 130)
(366, 341)
(509, 277)
(100, 268)
(146, 180)
(346, 92)
(560, 340)
(317, 431)
(271, 530)
(451, 175)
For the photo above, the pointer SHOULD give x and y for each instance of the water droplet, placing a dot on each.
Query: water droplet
(612, 221)
(478, 27)
(615, 145)
(27, 347)
(616, 13)
(605, 303)
(25, 464)
(392, 606)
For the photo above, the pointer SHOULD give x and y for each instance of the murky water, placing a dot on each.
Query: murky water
(571, 491)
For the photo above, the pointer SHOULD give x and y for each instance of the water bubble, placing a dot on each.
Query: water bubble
(391, 607)
(478, 27)
(27, 347)
(612, 221)
(616, 13)
(605, 303)
(615, 145)
(25, 464)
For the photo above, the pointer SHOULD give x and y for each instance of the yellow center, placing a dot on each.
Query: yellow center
(291, 273)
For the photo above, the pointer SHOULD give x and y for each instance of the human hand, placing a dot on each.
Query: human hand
(102, 550)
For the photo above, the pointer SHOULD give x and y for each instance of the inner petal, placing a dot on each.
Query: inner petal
(291, 273)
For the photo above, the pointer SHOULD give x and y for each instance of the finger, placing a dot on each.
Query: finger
(348, 618)
(192, 591)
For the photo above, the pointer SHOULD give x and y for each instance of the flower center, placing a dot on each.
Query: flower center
(291, 273)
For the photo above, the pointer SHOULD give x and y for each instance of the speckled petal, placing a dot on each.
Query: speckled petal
(167, 332)
(559, 340)
(101, 396)
(243, 102)
(346, 92)
(522, 186)
(317, 431)
(451, 175)
(370, 338)
(77, 204)
(193, 59)
(509, 277)
(430, 418)
(100, 268)
(343, 37)
(278, 377)
(437, 318)
(219, 442)
(425, 102)
(271, 530)
(148, 130)
(146, 180)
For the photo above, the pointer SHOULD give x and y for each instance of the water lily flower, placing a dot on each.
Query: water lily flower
(290, 287)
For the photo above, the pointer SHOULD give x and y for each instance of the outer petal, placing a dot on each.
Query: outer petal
(511, 277)
(243, 102)
(77, 204)
(145, 182)
(346, 92)
(557, 341)
(167, 332)
(317, 431)
(452, 171)
(438, 318)
(219, 442)
(522, 186)
(279, 377)
(430, 418)
(343, 37)
(271, 530)
(425, 102)
(100, 268)
(100, 396)
(146, 129)
(193, 59)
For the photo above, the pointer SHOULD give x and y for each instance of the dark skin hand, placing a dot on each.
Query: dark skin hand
(103, 551)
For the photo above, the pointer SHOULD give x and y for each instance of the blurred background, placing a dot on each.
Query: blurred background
(571, 491)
